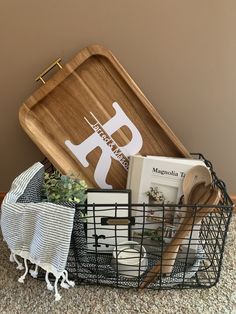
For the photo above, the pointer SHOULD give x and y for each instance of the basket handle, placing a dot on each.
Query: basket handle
(51, 66)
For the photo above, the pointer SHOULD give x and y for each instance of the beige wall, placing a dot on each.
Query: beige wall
(182, 54)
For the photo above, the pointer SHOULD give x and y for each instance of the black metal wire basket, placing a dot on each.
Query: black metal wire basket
(137, 255)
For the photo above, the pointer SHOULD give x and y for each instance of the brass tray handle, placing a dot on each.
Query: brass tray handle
(40, 77)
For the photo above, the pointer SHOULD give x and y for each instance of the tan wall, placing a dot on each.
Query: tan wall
(181, 53)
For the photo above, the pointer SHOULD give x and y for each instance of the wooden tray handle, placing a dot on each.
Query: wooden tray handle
(40, 77)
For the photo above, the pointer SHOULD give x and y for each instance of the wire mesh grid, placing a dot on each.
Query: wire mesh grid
(146, 248)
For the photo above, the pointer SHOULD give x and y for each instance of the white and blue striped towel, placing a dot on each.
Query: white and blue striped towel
(36, 231)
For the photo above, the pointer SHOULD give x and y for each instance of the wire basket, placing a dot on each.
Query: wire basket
(145, 249)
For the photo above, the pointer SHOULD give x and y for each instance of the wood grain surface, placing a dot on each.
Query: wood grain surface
(91, 82)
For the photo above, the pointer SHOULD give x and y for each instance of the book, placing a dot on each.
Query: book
(157, 180)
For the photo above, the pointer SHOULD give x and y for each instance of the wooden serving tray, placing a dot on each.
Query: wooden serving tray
(91, 116)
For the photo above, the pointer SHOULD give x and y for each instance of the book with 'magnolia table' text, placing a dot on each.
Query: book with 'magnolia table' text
(157, 180)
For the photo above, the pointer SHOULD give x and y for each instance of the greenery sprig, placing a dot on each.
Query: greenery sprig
(63, 188)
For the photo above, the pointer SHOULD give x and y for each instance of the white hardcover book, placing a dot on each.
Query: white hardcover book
(157, 180)
(188, 161)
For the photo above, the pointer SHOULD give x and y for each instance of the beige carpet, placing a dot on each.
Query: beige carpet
(32, 297)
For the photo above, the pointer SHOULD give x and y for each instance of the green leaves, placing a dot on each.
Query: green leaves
(63, 188)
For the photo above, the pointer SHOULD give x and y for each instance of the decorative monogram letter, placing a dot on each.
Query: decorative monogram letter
(102, 138)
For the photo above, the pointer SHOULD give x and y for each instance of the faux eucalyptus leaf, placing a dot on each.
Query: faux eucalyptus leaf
(63, 188)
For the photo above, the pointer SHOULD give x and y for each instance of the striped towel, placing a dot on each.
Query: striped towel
(36, 231)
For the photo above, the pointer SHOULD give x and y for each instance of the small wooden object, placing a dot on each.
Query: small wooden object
(194, 176)
(91, 116)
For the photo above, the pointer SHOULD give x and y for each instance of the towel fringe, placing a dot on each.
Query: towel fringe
(70, 282)
(11, 259)
(19, 264)
(57, 295)
(22, 278)
(34, 273)
(49, 285)
(63, 283)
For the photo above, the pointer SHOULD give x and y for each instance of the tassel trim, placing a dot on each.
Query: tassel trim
(65, 282)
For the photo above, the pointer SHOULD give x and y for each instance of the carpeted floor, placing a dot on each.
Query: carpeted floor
(32, 297)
